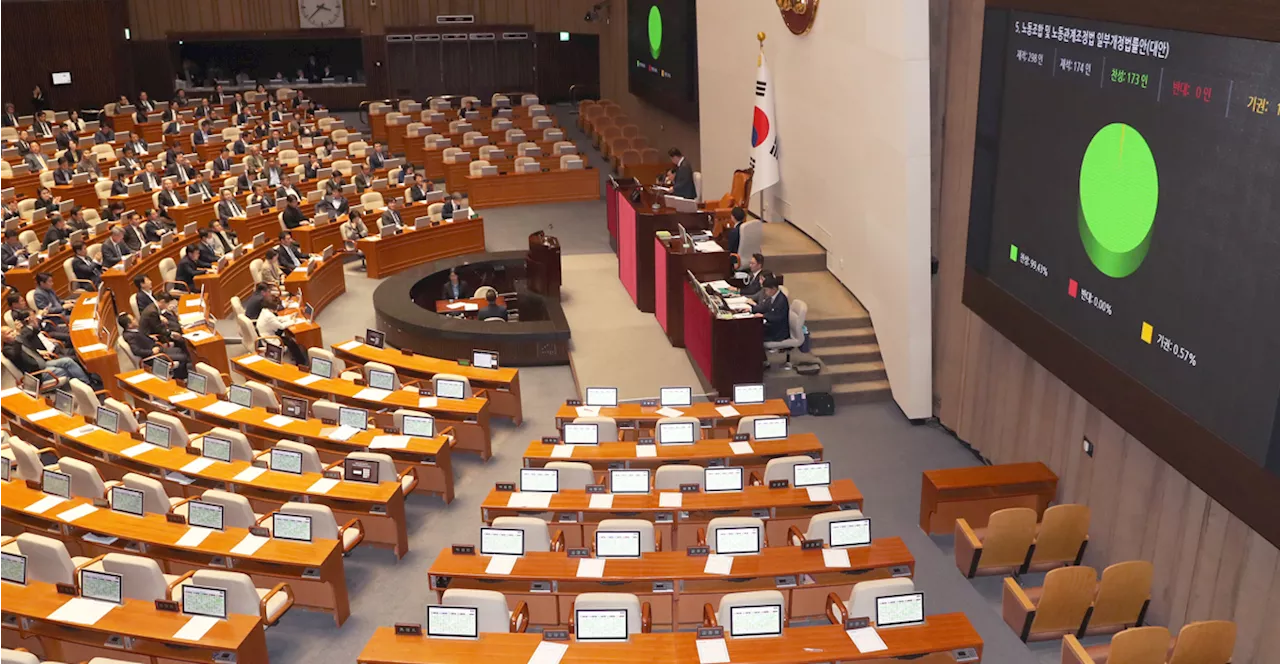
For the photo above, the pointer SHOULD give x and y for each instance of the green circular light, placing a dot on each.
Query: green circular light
(1119, 193)
(655, 32)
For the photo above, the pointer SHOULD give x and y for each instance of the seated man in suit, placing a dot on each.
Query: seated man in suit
(160, 320)
(419, 190)
(226, 239)
(491, 308)
(227, 206)
(36, 160)
(156, 226)
(775, 309)
(360, 178)
(334, 204)
(202, 134)
(222, 163)
(129, 161)
(288, 188)
(12, 250)
(244, 183)
(241, 145)
(190, 266)
(148, 178)
(63, 174)
(76, 220)
(210, 248)
(312, 168)
(261, 197)
(681, 177)
(135, 234)
(105, 134)
(30, 361)
(47, 300)
(57, 231)
(253, 303)
(391, 215)
(377, 156)
(137, 143)
(143, 294)
(292, 217)
(45, 199)
(118, 185)
(273, 141)
(199, 186)
(290, 255)
(181, 170)
(10, 118)
(143, 346)
(272, 173)
(455, 288)
(451, 203)
(168, 197)
(114, 249)
(83, 267)
(254, 161)
(755, 280)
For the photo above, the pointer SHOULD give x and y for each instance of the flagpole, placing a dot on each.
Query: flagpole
(760, 36)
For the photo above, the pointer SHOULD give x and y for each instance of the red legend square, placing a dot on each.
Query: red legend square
(1072, 287)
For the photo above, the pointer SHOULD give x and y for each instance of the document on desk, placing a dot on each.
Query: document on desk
(82, 611)
(719, 284)
(222, 408)
(707, 247)
(197, 336)
(819, 494)
(455, 305)
(588, 411)
(91, 348)
(91, 301)
(590, 568)
(139, 378)
(197, 466)
(349, 345)
(428, 402)
(195, 629)
(77, 512)
(323, 485)
(501, 565)
(529, 500)
(742, 447)
(389, 442)
(84, 324)
(549, 652)
(562, 451)
(190, 317)
(713, 651)
(138, 450)
(83, 430)
(182, 396)
(670, 499)
(470, 306)
(866, 639)
(249, 545)
(11, 392)
(602, 501)
(308, 379)
(249, 359)
(44, 414)
(249, 474)
(646, 451)
(835, 557)
(41, 506)
(667, 411)
(343, 432)
(718, 564)
(372, 394)
(727, 411)
(193, 537)
(280, 421)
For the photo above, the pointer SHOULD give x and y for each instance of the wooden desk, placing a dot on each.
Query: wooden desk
(798, 645)
(524, 188)
(313, 239)
(235, 280)
(691, 586)
(701, 453)
(633, 415)
(93, 344)
(120, 281)
(313, 570)
(672, 263)
(468, 417)
(139, 202)
(500, 386)
(380, 507)
(974, 493)
(246, 228)
(24, 278)
(151, 631)
(83, 194)
(781, 509)
(320, 285)
(384, 257)
(634, 224)
(211, 350)
(430, 458)
(25, 185)
(456, 175)
(201, 214)
(725, 351)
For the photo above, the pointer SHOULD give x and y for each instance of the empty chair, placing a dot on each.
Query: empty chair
(8, 656)
(1137, 645)
(27, 459)
(214, 383)
(263, 395)
(562, 148)
(720, 616)
(1205, 642)
(372, 200)
(863, 596)
(639, 616)
(177, 433)
(472, 139)
(528, 100)
(672, 475)
(1061, 537)
(570, 161)
(47, 559)
(819, 527)
(1123, 596)
(324, 409)
(722, 522)
(490, 152)
(606, 427)
(398, 417)
(783, 468)
(522, 161)
(477, 167)
(379, 366)
(243, 598)
(455, 156)
(515, 136)
(324, 354)
(241, 450)
(746, 425)
(1054, 610)
(435, 383)
(85, 400)
(310, 458)
(1000, 548)
(650, 539)
(697, 427)
(537, 536)
(387, 470)
(324, 525)
(492, 614)
(236, 511)
(750, 235)
(141, 578)
(573, 475)
(154, 498)
(85, 480)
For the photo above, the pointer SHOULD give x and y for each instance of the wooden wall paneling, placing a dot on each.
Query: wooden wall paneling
(514, 67)
(429, 65)
(402, 68)
(375, 66)
(83, 37)
(455, 59)
(482, 56)
(563, 65)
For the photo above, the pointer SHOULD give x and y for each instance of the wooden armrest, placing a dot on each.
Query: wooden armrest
(178, 581)
(557, 542)
(174, 286)
(657, 540)
(646, 618)
(106, 487)
(86, 564)
(411, 471)
(794, 536)
(354, 523)
(258, 454)
(755, 480)
(266, 516)
(279, 588)
(82, 284)
(520, 618)
(702, 537)
(335, 464)
(709, 616)
(1073, 652)
(968, 548)
(1017, 609)
(835, 610)
(174, 507)
(46, 450)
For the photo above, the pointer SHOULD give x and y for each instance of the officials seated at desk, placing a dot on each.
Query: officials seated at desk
(775, 309)
(455, 288)
(191, 265)
(57, 232)
(491, 310)
(83, 267)
(271, 324)
(144, 347)
(292, 216)
(290, 256)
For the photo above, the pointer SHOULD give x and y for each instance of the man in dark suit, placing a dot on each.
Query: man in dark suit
(105, 134)
(199, 186)
(222, 163)
(288, 188)
(292, 217)
(61, 138)
(145, 103)
(419, 190)
(450, 204)
(455, 288)
(168, 197)
(114, 249)
(148, 178)
(253, 303)
(40, 127)
(290, 255)
(10, 116)
(241, 146)
(181, 170)
(155, 225)
(228, 207)
(238, 105)
(775, 309)
(210, 248)
(84, 267)
(160, 320)
(190, 266)
(360, 178)
(63, 174)
(12, 250)
(172, 128)
(312, 168)
(129, 160)
(245, 181)
(377, 157)
(138, 144)
(273, 142)
(135, 234)
(224, 238)
(272, 173)
(733, 237)
(334, 204)
(755, 279)
(491, 308)
(391, 215)
(57, 232)
(681, 178)
(143, 295)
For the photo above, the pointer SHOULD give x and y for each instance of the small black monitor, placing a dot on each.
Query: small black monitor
(375, 338)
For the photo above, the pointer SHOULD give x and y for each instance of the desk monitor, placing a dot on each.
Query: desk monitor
(259, 239)
(63, 402)
(758, 620)
(375, 338)
(677, 396)
(107, 419)
(293, 407)
(204, 515)
(360, 470)
(423, 426)
(274, 353)
(900, 610)
(189, 229)
(600, 624)
(629, 480)
(158, 434)
(356, 418)
(204, 601)
(457, 622)
(295, 527)
(448, 388)
(740, 540)
(723, 479)
(582, 433)
(31, 385)
(308, 311)
(811, 474)
(604, 397)
(748, 393)
(197, 382)
(501, 542)
(321, 367)
(286, 461)
(769, 428)
(102, 586)
(55, 483)
(240, 395)
(484, 359)
(676, 433)
(160, 368)
(849, 532)
(128, 501)
(6, 467)
(539, 480)
(218, 449)
(617, 544)
(382, 380)
(462, 213)
(13, 568)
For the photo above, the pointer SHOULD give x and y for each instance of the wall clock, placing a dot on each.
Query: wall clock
(321, 14)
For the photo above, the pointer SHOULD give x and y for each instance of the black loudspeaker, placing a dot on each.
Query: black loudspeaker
(821, 403)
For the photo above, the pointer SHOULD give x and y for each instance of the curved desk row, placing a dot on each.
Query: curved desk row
(555, 186)
(24, 278)
(386, 256)
(380, 507)
(313, 569)
(634, 415)
(752, 455)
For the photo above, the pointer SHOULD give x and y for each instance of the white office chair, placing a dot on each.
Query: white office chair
(126, 419)
(819, 527)
(27, 459)
(537, 535)
(672, 475)
(263, 395)
(236, 511)
(697, 426)
(492, 614)
(795, 319)
(243, 598)
(310, 458)
(84, 399)
(435, 383)
(722, 522)
(324, 525)
(379, 366)
(324, 354)
(749, 598)
(387, 470)
(639, 618)
(606, 427)
(783, 468)
(177, 432)
(154, 498)
(85, 480)
(48, 560)
(573, 475)
(324, 409)
(141, 578)
(650, 539)
(241, 450)
(863, 596)
(8, 656)
(213, 380)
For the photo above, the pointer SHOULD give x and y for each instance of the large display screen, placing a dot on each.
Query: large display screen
(1127, 191)
(662, 54)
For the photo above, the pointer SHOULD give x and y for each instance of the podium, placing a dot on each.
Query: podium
(725, 351)
(542, 264)
(638, 213)
(673, 264)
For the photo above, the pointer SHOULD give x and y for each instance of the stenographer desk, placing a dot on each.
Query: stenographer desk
(672, 264)
(386, 256)
(939, 635)
(726, 349)
(801, 575)
(636, 224)
(556, 186)
(753, 455)
(313, 569)
(378, 507)
(575, 515)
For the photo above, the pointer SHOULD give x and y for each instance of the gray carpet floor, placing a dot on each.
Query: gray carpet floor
(873, 444)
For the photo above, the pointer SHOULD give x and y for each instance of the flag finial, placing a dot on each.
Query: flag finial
(760, 36)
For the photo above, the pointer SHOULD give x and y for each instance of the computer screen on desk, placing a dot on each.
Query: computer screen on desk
(811, 474)
(759, 620)
(128, 501)
(748, 393)
(769, 428)
(629, 480)
(381, 380)
(291, 527)
(899, 610)
(617, 544)
(293, 407)
(375, 338)
(600, 624)
(676, 396)
(107, 419)
(158, 434)
(356, 418)
(723, 479)
(240, 395)
(501, 541)
(581, 433)
(197, 382)
(676, 433)
(849, 532)
(604, 397)
(13, 568)
(102, 586)
(321, 367)
(484, 359)
(213, 447)
(63, 402)
(204, 601)
(422, 426)
(459, 622)
(286, 461)
(740, 540)
(542, 480)
(55, 483)
(448, 388)
(360, 470)
(204, 515)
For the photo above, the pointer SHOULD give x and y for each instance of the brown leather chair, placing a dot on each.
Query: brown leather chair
(1059, 607)
(1137, 645)
(1061, 538)
(1001, 547)
(1123, 596)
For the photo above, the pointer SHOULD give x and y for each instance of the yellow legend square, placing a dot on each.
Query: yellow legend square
(1146, 332)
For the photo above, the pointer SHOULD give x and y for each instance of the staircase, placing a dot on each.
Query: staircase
(840, 329)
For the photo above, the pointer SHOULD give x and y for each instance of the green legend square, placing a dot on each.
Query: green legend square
(1013, 252)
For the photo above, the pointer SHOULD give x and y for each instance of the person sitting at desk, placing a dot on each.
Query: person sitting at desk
(182, 169)
(271, 274)
(419, 190)
(259, 132)
(180, 99)
(273, 141)
(334, 204)
(335, 181)
(168, 197)
(57, 232)
(253, 161)
(202, 134)
(455, 288)
(391, 215)
(114, 249)
(377, 156)
(291, 257)
(406, 174)
(41, 127)
(275, 117)
(63, 174)
(83, 267)
(202, 109)
(10, 209)
(222, 163)
(491, 308)
(238, 104)
(270, 323)
(157, 225)
(311, 170)
(31, 361)
(12, 252)
(680, 178)
(210, 248)
(143, 346)
(85, 163)
(113, 212)
(118, 186)
(227, 206)
(190, 266)
(223, 237)
(47, 300)
(172, 128)
(292, 217)
(261, 197)
(142, 287)
(60, 137)
(47, 201)
(36, 160)
(775, 309)
(135, 236)
(10, 118)
(23, 144)
(353, 229)
(160, 319)
(199, 186)
(755, 278)
(359, 178)
(145, 103)
(148, 178)
(105, 134)
(272, 173)
(451, 203)
(76, 220)
(245, 181)
(288, 188)
(137, 143)
(129, 161)
(240, 146)
(253, 303)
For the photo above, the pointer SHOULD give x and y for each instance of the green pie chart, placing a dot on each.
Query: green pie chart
(1119, 193)
(655, 32)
